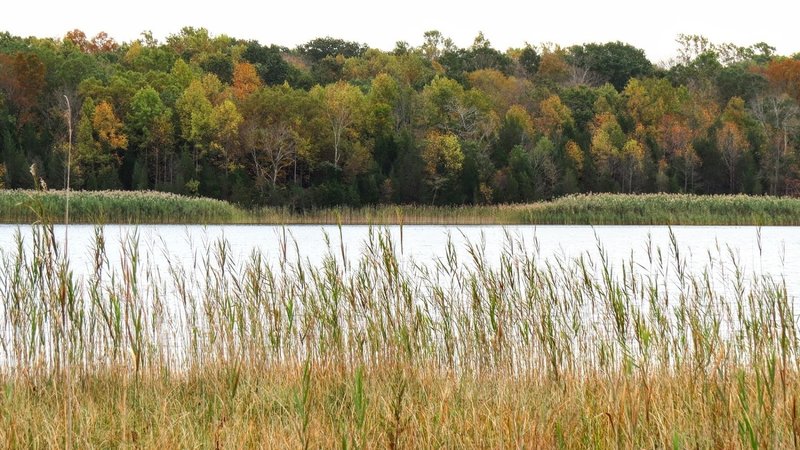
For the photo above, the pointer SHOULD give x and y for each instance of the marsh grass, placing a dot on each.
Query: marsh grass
(382, 352)
(586, 209)
(665, 209)
(136, 207)
(395, 215)
(583, 209)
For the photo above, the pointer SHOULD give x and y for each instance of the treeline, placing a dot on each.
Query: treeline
(335, 122)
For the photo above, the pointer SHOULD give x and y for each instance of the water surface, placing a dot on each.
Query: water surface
(721, 250)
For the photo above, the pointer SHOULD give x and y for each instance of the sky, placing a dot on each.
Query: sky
(652, 26)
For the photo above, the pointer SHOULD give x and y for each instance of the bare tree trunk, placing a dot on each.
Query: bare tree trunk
(776, 175)
(731, 173)
(630, 181)
(337, 128)
(158, 163)
(785, 141)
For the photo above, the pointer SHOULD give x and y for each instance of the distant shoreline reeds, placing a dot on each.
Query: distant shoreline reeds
(135, 207)
(145, 207)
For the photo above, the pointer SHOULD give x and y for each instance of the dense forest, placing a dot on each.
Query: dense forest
(335, 122)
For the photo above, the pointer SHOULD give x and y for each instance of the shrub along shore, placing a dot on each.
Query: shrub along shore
(148, 207)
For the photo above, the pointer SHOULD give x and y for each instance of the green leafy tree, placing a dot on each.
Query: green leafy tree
(320, 48)
(194, 117)
(516, 130)
(86, 148)
(269, 62)
(148, 129)
(615, 62)
(530, 59)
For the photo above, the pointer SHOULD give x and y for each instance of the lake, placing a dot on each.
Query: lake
(722, 250)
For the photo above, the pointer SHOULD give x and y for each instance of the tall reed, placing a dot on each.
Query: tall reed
(592, 209)
(136, 207)
(378, 351)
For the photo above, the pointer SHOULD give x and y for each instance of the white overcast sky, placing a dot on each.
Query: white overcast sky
(649, 25)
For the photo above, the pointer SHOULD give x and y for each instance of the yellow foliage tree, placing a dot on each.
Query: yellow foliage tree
(732, 144)
(443, 159)
(108, 127)
(554, 117)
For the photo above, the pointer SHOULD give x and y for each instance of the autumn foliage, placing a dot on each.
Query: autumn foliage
(336, 122)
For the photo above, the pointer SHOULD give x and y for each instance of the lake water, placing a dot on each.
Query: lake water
(764, 251)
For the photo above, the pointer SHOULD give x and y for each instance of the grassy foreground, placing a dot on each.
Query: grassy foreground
(464, 353)
(588, 209)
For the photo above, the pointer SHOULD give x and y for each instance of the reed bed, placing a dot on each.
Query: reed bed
(582, 209)
(137, 207)
(664, 209)
(381, 352)
(144, 207)
(395, 214)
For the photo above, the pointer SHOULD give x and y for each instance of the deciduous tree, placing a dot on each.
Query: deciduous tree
(616, 62)
(554, 118)
(272, 149)
(443, 159)
(225, 120)
(341, 105)
(675, 137)
(149, 128)
(732, 144)
(779, 116)
(245, 80)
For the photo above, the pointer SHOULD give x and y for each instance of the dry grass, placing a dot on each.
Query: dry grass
(405, 407)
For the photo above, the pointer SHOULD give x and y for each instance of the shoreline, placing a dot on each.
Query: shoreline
(157, 208)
